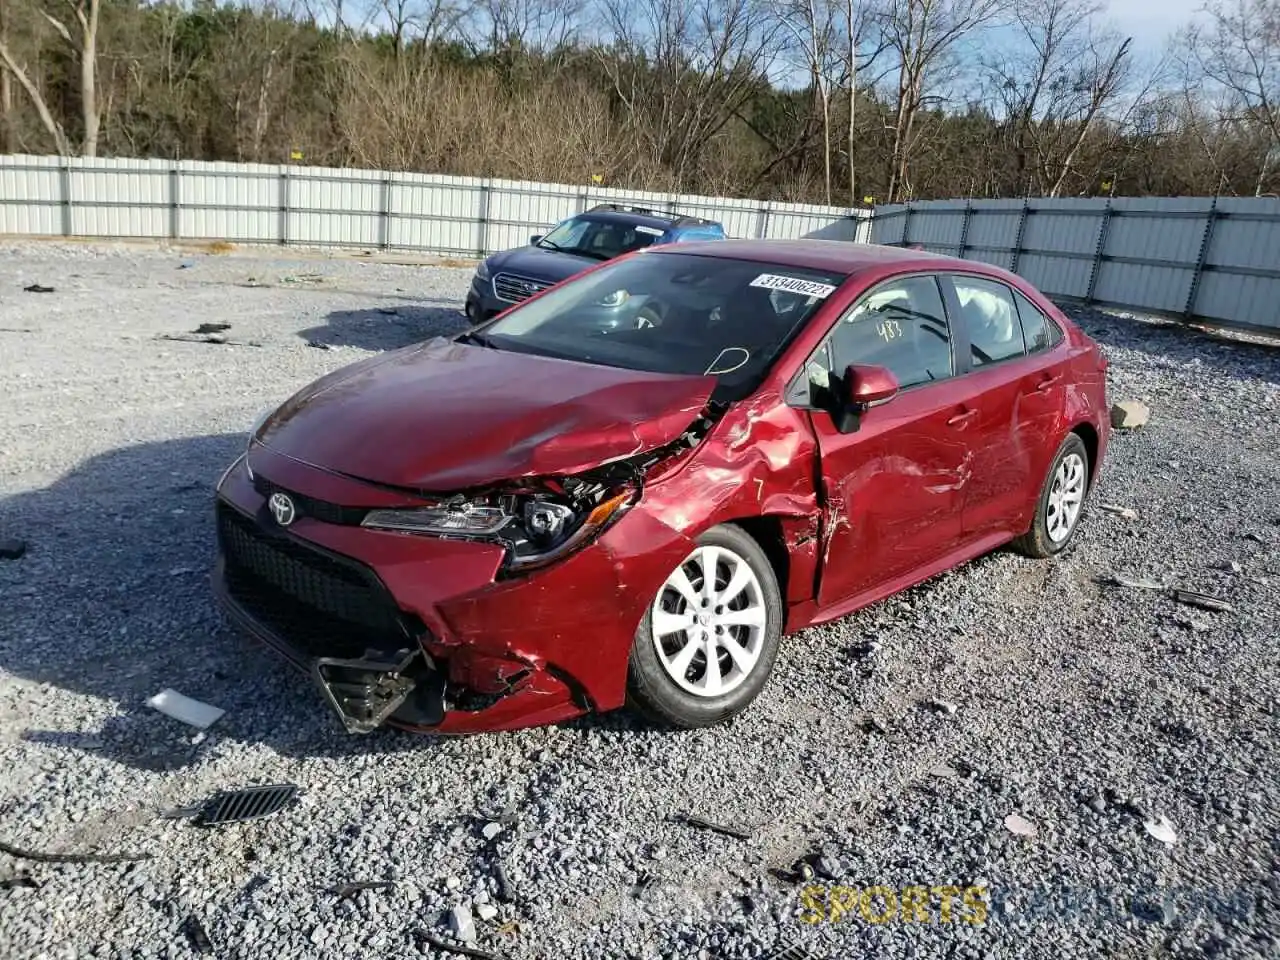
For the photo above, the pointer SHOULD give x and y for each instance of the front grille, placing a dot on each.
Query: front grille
(306, 506)
(513, 289)
(320, 604)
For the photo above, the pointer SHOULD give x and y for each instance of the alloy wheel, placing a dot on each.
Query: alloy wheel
(709, 622)
(1066, 496)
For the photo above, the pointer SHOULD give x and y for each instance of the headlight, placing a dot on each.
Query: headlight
(253, 432)
(482, 271)
(536, 528)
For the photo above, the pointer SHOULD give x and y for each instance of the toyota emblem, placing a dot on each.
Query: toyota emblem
(282, 509)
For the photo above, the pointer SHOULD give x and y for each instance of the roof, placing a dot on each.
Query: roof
(644, 215)
(836, 256)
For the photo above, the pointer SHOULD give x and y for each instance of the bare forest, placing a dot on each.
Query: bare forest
(838, 101)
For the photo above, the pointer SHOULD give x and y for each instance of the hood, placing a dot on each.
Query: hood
(443, 416)
(539, 263)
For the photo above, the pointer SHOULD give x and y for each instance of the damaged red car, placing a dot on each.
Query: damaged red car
(628, 488)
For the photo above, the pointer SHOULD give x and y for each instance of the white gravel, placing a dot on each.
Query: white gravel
(1087, 710)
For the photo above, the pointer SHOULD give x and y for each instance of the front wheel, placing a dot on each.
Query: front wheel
(707, 643)
(1060, 503)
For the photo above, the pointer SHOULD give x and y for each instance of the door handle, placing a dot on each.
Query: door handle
(962, 418)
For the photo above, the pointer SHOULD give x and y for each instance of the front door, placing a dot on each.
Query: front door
(893, 488)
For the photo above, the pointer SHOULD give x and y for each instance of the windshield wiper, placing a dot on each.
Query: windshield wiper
(544, 242)
(479, 339)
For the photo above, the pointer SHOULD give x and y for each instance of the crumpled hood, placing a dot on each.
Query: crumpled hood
(443, 416)
(538, 263)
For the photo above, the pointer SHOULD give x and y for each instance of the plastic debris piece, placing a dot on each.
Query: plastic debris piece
(943, 706)
(1162, 830)
(212, 328)
(449, 946)
(237, 806)
(1203, 600)
(37, 288)
(345, 891)
(1020, 826)
(12, 549)
(728, 831)
(1127, 513)
(23, 854)
(20, 880)
(189, 711)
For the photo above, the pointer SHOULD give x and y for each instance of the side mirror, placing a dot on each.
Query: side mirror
(863, 386)
(533, 241)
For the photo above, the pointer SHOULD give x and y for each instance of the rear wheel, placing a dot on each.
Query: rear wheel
(707, 643)
(1061, 501)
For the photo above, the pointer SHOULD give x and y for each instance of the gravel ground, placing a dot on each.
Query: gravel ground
(1088, 709)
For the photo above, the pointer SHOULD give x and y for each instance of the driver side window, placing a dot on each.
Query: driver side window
(900, 325)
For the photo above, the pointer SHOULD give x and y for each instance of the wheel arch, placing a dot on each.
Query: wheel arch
(1088, 433)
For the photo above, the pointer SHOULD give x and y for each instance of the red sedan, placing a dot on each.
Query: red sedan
(629, 487)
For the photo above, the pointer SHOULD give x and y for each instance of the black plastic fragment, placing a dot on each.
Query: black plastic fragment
(237, 806)
(21, 880)
(12, 549)
(728, 831)
(212, 328)
(450, 946)
(37, 288)
(23, 854)
(197, 935)
(345, 891)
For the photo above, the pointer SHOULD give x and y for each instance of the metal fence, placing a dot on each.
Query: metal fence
(320, 206)
(1207, 258)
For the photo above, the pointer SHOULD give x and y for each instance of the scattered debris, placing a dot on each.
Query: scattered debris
(12, 549)
(486, 911)
(458, 948)
(1098, 804)
(16, 330)
(490, 831)
(1020, 826)
(1232, 566)
(1255, 537)
(878, 725)
(867, 648)
(197, 935)
(1162, 830)
(345, 891)
(1119, 580)
(792, 951)
(728, 831)
(212, 328)
(36, 288)
(19, 880)
(944, 772)
(1203, 600)
(237, 806)
(461, 924)
(388, 311)
(1129, 414)
(302, 278)
(829, 868)
(943, 706)
(316, 344)
(1127, 513)
(189, 711)
(215, 338)
(23, 854)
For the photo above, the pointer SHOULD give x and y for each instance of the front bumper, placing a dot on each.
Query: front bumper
(481, 303)
(416, 632)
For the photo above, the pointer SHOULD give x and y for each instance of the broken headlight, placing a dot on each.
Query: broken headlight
(536, 527)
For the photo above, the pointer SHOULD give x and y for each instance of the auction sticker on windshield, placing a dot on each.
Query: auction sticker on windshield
(773, 281)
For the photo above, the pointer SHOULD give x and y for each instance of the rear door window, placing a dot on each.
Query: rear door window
(989, 314)
(1038, 331)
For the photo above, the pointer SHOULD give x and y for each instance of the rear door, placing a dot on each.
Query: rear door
(892, 489)
(1017, 366)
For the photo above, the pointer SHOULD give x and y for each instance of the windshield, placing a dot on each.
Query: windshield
(671, 313)
(599, 239)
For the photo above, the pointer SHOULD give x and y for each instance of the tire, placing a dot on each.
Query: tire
(755, 612)
(1044, 539)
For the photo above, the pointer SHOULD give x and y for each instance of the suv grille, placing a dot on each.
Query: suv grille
(321, 604)
(513, 289)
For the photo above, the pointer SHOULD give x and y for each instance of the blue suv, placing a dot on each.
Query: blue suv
(602, 233)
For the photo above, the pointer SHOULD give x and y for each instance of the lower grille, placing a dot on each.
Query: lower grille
(513, 289)
(316, 602)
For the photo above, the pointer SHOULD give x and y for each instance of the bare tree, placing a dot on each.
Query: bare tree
(1056, 84)
(1235, 62)
(513, 27)
(82, 36)
(812, 24)
(922, 35)
(682, 70)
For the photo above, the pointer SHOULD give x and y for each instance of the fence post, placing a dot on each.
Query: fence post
(906, 226)
(384, 220)
(175, 202)
(64, 178)
(284, 205)
(964, 227)
(482, 239)
(1206, 238)
(582, 202)
(1021, 232)
(1104, 224)
(762, 221)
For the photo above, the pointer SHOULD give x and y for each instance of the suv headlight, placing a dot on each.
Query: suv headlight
(536, 528)
(482, 271)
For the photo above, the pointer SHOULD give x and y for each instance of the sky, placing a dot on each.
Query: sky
(1150, 22)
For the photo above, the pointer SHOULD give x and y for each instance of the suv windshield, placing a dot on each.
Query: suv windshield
(671, 313)
(599, 239)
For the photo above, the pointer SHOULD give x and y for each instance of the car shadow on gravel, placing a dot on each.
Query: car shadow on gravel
(387, 328)
(112, 604)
